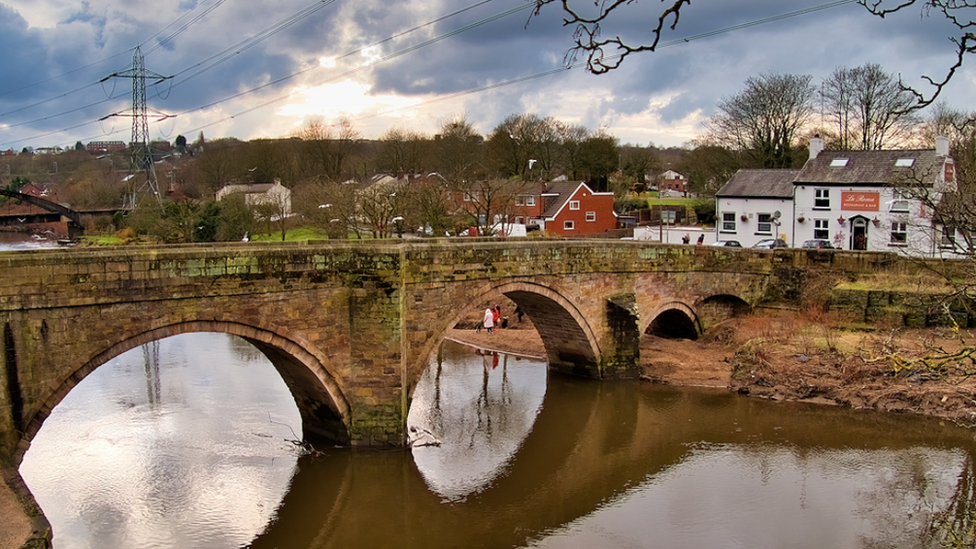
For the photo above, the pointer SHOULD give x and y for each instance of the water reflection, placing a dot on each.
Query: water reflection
(635, 465)
(478, 407)
(618, 464)
(179, 443)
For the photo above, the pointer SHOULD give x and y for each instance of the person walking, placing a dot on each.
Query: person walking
(489, 321)
(496, 316)
(701, 239)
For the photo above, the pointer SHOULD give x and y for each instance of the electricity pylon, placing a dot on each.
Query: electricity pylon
(142, 158)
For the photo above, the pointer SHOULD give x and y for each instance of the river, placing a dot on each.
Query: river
(186, 442)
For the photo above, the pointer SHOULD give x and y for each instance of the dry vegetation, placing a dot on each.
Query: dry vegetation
(826, 357)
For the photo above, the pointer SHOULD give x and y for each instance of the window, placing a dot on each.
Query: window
(574, 204)
(591, 216)
(948, 237)
(899, 233)
(904, 162)
(568, 225)
(530, 201)
(821, 228)
(728, 221)
(838, 162)
(519, 201)
(519, 220)
(765, 224)
(467, 197)
(900, 202)
(821, 199)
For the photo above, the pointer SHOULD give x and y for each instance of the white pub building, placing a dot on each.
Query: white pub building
(857, 200)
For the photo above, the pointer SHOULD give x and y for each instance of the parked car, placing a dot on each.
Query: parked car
(727, 243)
(818, 244)
(770, 243)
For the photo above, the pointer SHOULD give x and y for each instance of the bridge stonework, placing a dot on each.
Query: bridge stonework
(349, 326)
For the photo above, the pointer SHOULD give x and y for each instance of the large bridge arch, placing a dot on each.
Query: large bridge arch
(320, 401)
(569, 339)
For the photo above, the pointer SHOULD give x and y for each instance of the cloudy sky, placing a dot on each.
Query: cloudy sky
(248, 69)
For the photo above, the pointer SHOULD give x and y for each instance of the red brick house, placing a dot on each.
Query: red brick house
(567, 208)
(672, 181)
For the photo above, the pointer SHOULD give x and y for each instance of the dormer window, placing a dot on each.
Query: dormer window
(904, 162)
(838, 162)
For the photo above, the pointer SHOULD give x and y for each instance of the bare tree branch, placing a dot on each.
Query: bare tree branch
(588, 30)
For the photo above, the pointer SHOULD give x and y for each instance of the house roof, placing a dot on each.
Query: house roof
(558, 193)
(760, 184)
(249, 188)
(870, 167)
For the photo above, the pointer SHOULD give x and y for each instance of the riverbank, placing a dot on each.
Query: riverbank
(805, 357)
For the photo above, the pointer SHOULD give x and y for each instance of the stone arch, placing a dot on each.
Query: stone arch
(570, 342)
(718, 308)
(673, 320)
(321, 403)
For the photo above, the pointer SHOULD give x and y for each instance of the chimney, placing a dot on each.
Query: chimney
(941, 145)
(816, 145)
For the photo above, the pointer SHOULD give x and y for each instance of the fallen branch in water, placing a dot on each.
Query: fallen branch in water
(304, 447)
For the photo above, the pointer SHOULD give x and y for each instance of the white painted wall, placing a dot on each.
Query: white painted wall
(747, 231)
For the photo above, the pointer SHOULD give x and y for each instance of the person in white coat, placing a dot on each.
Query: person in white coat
(489, 320)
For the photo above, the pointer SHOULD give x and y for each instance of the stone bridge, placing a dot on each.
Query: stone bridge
(350, 326)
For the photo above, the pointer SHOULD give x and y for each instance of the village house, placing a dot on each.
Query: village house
(274, 194)
(756, 205)
(672, 183)
(566, 208)
(856, 200)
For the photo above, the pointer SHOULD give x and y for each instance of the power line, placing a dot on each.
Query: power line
(158, 45)
(470, 90)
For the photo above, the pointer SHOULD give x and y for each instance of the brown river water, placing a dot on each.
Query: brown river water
(186, 443)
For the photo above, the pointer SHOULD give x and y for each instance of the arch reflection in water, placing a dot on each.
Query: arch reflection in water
(179, 443)
(479, 406)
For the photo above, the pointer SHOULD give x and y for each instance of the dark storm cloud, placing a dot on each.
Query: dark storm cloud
(679, 80)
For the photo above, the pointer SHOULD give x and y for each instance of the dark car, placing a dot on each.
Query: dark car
(818, 244)
(770, 243)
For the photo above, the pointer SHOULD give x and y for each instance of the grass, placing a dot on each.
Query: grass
(897, 283)
(293, 235)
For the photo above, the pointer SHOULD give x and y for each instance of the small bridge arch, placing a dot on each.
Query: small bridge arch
(673, 320)
(321, 403)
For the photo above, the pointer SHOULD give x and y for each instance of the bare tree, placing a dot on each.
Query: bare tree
(402, 150)
(427, 205)
(638, 162)
(490, 202)
(708, 166)
(459, 150)
(868, 107)
(765, 118)
(512, 144)
(599, 156)
(381, 206)
(571, 138)
(329, 204)
(327, 148)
